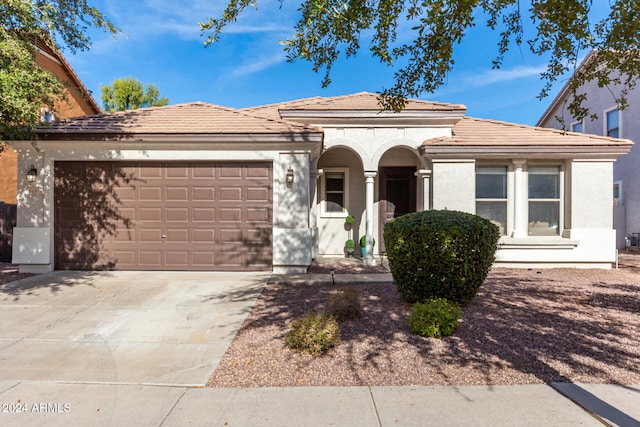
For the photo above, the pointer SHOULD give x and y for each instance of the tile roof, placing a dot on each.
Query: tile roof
(362, 101)
(195, 118)
(474, 132)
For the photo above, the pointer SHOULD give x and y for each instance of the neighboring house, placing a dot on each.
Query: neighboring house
(201, 187)
(610, 121)
(79, 103)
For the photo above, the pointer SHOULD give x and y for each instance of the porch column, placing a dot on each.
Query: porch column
(520, 199)
(425, 174)
(313, 211)
(369, 187)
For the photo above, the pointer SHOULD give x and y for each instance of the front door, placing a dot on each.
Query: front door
(397, 195)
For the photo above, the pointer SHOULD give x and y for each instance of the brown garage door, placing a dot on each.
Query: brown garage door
(163, 216)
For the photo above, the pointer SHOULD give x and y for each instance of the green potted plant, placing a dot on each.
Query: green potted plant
(363, 245)
(350, 219)
(350, 246)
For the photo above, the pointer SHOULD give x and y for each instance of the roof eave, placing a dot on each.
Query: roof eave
(381, 118)
(191, 137)
(512, 151)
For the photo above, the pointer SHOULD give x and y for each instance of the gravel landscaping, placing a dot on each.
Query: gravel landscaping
(9, 273)
(525, 326)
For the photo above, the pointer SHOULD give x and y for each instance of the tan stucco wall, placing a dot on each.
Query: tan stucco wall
(76, 104)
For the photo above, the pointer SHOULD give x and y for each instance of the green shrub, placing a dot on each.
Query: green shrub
(350, 244)
(345, 304)
(440, 254)
(435, 318)
(313, 333)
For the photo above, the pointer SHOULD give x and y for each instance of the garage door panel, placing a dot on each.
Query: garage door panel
(204, 214)
(230, 172)
(207, 235)
(230, 214)
(177, 193)
(215, 216)
(177, 214)
(152, 214)
(226, 194)
(205, 194)
(150, 172)
(151, 194)
(177, 170)
(257, 194)
(258, 172)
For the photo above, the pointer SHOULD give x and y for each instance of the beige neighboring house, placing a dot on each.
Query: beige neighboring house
(201, 187)
(611, 121)
(79, 103)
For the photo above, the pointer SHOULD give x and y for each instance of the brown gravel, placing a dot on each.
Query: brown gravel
(9, 273)
(525, 326)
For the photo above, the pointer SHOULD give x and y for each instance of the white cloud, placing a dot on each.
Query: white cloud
(258, 64)
(489, 77)
(465, 81)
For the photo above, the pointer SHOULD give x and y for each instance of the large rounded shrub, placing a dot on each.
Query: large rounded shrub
(440, 254)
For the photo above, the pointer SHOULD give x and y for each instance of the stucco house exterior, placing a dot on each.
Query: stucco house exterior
(201, 187)
(610, 121)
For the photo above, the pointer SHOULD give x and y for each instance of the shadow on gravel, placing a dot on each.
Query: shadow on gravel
(557, 331)
(524, 327)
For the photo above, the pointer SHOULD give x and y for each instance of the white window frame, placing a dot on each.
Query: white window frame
(618, 201)
(605, 130)
(560, 199)
(581, 123)
(323, 201)
(508, 197)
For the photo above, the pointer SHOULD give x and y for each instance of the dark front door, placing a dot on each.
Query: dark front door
(397, 195)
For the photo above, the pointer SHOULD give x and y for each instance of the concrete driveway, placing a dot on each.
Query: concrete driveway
(144, 328)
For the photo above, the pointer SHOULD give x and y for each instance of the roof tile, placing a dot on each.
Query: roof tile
(472, 131)
(189, 118)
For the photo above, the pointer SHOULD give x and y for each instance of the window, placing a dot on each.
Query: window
(491, 195)
(335, 188)
(617, 193)
(612, 123)
(576, 127)
(544, 200)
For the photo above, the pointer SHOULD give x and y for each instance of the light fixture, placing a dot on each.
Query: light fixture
(32, 174)
(289, 176)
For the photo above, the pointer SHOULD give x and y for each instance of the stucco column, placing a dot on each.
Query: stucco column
(313, 196)
(520, 199)
(369, 190)
(313, 211)
(425, 174)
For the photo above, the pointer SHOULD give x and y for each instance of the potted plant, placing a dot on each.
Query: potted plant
(363, 245)
(350, 246)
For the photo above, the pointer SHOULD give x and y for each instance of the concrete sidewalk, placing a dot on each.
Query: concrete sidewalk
(77, 404)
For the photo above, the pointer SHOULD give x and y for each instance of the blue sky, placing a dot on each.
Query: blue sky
(161, 44)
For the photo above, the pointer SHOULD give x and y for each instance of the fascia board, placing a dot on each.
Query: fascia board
(185, 138)
(535, 151)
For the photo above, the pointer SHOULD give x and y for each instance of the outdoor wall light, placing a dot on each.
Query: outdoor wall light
(289, 176)
(32, 174)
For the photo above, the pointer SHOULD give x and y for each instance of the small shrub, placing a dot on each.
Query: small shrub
(440, 254)
(345, 304)
(435, 318)
(314, 333)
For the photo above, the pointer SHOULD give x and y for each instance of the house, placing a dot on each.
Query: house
(79, 103)
(202, 187)
(610, 121)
